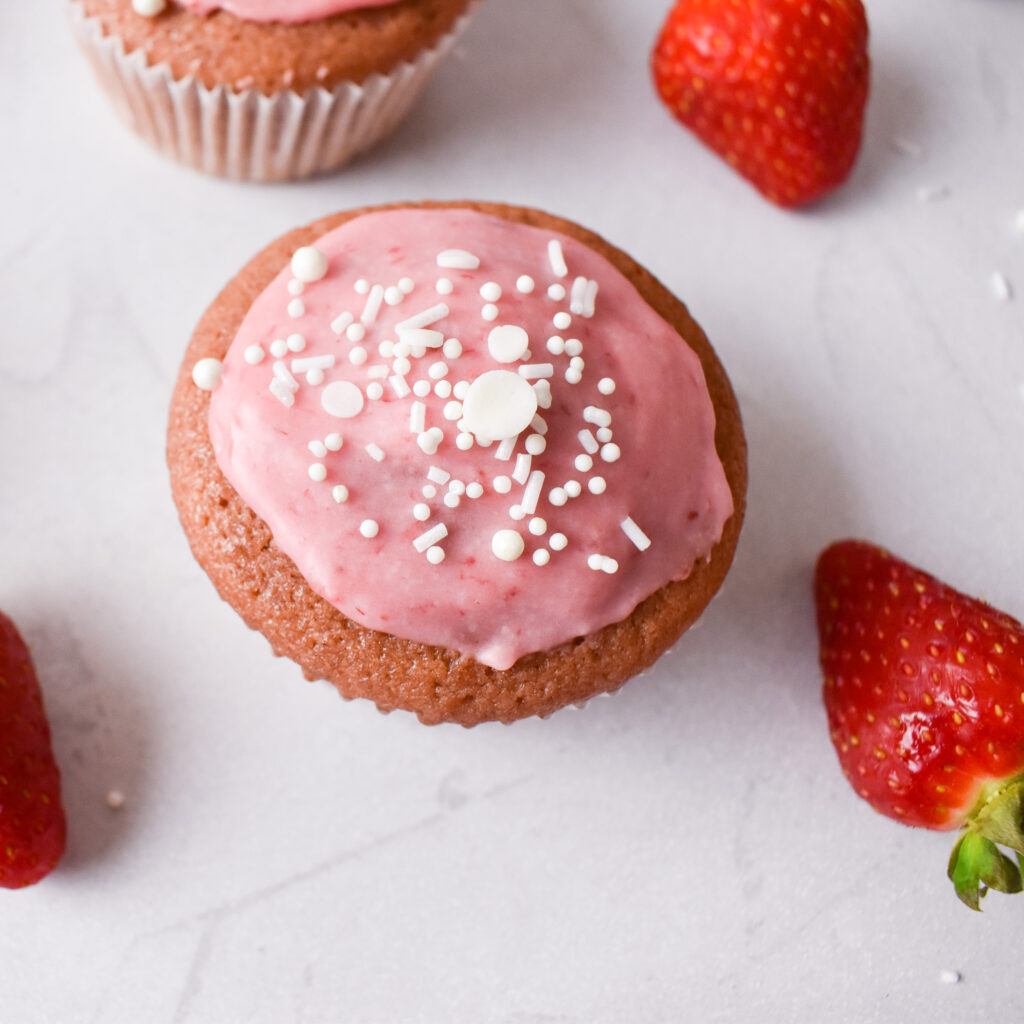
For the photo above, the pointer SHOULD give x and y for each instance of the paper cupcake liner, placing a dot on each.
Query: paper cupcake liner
(245, 134)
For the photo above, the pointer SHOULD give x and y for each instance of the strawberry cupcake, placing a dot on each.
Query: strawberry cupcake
(265, 90)
(468, 460)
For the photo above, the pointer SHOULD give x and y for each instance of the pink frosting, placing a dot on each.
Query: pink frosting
(281, 10)
(619, 460)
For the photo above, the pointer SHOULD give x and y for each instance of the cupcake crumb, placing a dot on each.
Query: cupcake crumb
(948, 977)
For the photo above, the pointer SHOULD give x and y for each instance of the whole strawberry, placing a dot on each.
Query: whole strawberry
(776, 87)
(924, 689)
(32, 828)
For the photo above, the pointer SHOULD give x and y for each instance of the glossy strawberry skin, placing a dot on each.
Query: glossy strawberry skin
(32, 823)
(776, 87)
(923, 686)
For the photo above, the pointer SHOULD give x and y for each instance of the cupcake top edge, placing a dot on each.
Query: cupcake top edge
(284, 11)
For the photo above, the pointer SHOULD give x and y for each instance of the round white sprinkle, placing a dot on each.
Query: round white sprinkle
(254, 354)
(421, 388)
(279, 348)
(406, 286)
(491, 291)
(206, 373)
(149, 8)
(561, 320)
(343, 399)
(508, 545)
(475, 490)
(309, 264)
(318, 448)
(401, 350)
(558, 497)
(489, 312)
(573, 376)
(583, 463)
(318, 472)
(429, 491)
(315, 376)
(452, 348)
(452, 500)
(296, 308)
(358, 355)
(573, 488)
(556, 292)
(453, 411)
(438, 370)
(556, 345)
(538, 526)
(597, 485)
(457, 487)
(430, 440)
(401, 367)
(374, 390)
(444, 286)
(340, 494)
(295, 287)
(541, 556)
(594, 562)
(460, 389)
(499, 404)
(369, 528)
(362, 286)
(443, 389)
(435, 555)
(535, 444)
(355, 332)
(393, 296)
(606, 386)
(573, 347)
(421, 512)
(558, 542)
(507, 343)
(611, 453)
(604, 434)
(517, 512)
(115, 798)
(502, 484)
(333, 442)
(386, 349)
(464, 442)
(526, 284)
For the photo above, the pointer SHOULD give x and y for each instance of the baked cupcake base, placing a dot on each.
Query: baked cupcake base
(237, 550)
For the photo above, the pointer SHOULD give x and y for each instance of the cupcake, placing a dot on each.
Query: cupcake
(265, 90)
(465, 459)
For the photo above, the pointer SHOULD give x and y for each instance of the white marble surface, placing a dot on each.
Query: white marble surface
(686, 849)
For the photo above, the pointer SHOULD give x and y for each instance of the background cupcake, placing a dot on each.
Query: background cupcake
(265, 90)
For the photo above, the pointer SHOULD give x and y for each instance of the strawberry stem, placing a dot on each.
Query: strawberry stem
(977, 864)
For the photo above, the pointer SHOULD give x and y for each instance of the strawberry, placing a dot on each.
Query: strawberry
(32, 827)
(924, 689)
(775, 87)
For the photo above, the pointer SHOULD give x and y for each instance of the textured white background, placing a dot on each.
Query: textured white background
(686, 849)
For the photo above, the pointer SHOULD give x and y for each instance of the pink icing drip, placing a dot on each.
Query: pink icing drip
(292, 11)
(669, 479)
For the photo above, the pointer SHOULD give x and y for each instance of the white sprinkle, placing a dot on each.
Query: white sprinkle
(543, 391)
(437, 370)
(435, 555)
(460, 389)
(279, 348)
(475, 490)
(508, 545)
(602, 563)
(932, 193)
(421, 511)
(579, 288)
(375, 391)
(640, 539)
(436, 533)
(452, 500)
(502, 484)
(573, 376)
(557, 258)
(393, 296)
(296, 308)
(206, 374)
(424, 318)
(307, 363)
(599, 417)
(558, 497)
(517, 512)
(340, 494)
(377, 372)
(457, 259)
(556, 345)
(358, 355)
(400, 385)
(372, 307)
(573, 488)
(318, 472)
(538, 526)
(532, 491)
(507, 343)
(355, 333)
(386, 349)
(541, 556)
(362, 286)
(429, 491)
(309, 264)
(421, 388)
(562, 321)
(597, 485)
(506, 448)
(406, 286)
(297, 343)
(556, 292)
(464, 441)
(522, 470)
(583, 463)
(437, 475)
(341, 323)
(417, 418)
(606, 386)
(558, 542)
(452, 348)
(590, 300)
(375, 452)
(489, 312)
(284, 394)
(334, 442)
(588, 441)
(536, 371)
(283, 374)
(1001, 287)
(315, 376)
(457, 487)
(604, 435)
(444, 286)
(318, 448)
(343, 399)
(443, 389)
(526, 284)
(369, 528)
(490, 292)
(420, 337)
(115, 798)
(254, 355)
(535, 444)
(611, 453)
(430, 440)
(453, 411)
(948, 977)
(538, 425)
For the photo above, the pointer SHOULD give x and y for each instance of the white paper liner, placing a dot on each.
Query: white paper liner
(245, 134)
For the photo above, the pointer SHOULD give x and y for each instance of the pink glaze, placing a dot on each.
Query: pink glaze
(668, 478)
(281, 10)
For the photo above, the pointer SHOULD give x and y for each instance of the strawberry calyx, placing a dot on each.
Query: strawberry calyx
(977, 863)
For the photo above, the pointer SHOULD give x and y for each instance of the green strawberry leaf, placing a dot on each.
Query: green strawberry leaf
(978, 865)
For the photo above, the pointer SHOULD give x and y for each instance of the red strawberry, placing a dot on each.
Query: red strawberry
(924, 689)
(775, 87)
(32, 825)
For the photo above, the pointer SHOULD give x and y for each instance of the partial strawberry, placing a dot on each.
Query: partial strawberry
(924, 689)
(32, 826)
(775, 87)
